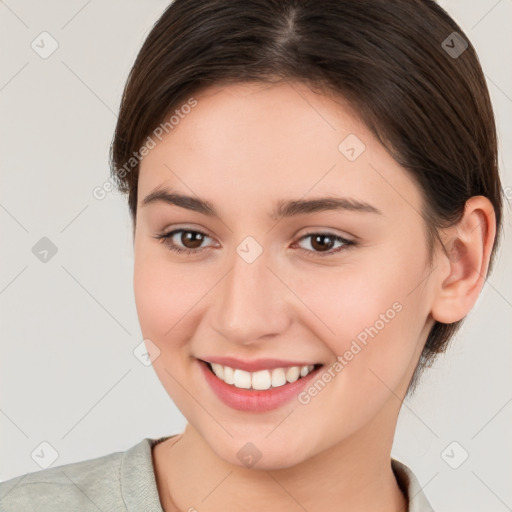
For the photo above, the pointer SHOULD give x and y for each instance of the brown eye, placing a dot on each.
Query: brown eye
(191, 239)
(183, 240)
(322, 243)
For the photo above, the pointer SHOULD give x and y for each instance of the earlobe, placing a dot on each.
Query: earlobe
(467, 253)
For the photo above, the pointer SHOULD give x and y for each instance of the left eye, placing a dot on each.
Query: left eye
(196, 238)
(321, 247)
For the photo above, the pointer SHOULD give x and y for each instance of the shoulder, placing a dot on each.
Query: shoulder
(93, 484)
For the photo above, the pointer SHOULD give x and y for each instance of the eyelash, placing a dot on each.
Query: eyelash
(166, 238)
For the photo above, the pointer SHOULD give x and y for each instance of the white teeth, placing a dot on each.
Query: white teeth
(304, 371)
(228, 375)
(242, 379)
(292, 374)
(278, 377)
(260, 380)
(218, 369)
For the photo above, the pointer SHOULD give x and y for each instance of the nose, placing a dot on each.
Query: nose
(252, 302)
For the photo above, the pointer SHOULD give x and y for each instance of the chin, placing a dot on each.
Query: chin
(259, 452)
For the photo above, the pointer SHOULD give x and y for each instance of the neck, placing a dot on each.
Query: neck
(354, 475)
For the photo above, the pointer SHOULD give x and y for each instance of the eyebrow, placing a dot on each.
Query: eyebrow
(284, 208)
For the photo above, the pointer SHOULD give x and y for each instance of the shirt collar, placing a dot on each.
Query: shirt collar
(411, 487)
(138, 482)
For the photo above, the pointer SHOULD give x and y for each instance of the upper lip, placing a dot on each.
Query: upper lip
(256, 364)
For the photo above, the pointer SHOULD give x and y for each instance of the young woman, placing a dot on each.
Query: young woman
(316, 204)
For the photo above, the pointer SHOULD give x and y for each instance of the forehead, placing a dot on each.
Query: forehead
(241, 143)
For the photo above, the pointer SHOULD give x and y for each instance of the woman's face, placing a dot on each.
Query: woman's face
(257, 287)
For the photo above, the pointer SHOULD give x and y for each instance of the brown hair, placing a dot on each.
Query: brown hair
(417, 86)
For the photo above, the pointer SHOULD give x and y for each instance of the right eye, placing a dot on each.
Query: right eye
(192, 237)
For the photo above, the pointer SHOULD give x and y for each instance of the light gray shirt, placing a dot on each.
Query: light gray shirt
(124, 481)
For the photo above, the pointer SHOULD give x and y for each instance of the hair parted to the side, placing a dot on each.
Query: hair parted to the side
(429, 109)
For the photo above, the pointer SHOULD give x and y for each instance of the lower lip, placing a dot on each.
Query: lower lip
(254, 400)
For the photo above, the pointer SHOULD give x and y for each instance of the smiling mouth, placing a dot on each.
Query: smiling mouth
(260, 380)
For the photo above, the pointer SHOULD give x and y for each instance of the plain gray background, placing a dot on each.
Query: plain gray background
(68, 374)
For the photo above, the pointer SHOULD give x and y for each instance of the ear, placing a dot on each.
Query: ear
(464, 265)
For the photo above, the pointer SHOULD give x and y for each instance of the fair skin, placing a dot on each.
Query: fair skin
(243, 148)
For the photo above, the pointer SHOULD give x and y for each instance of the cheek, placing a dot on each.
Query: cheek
(161, 292)
(170, 298)
(372, 318)
(164, 297)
